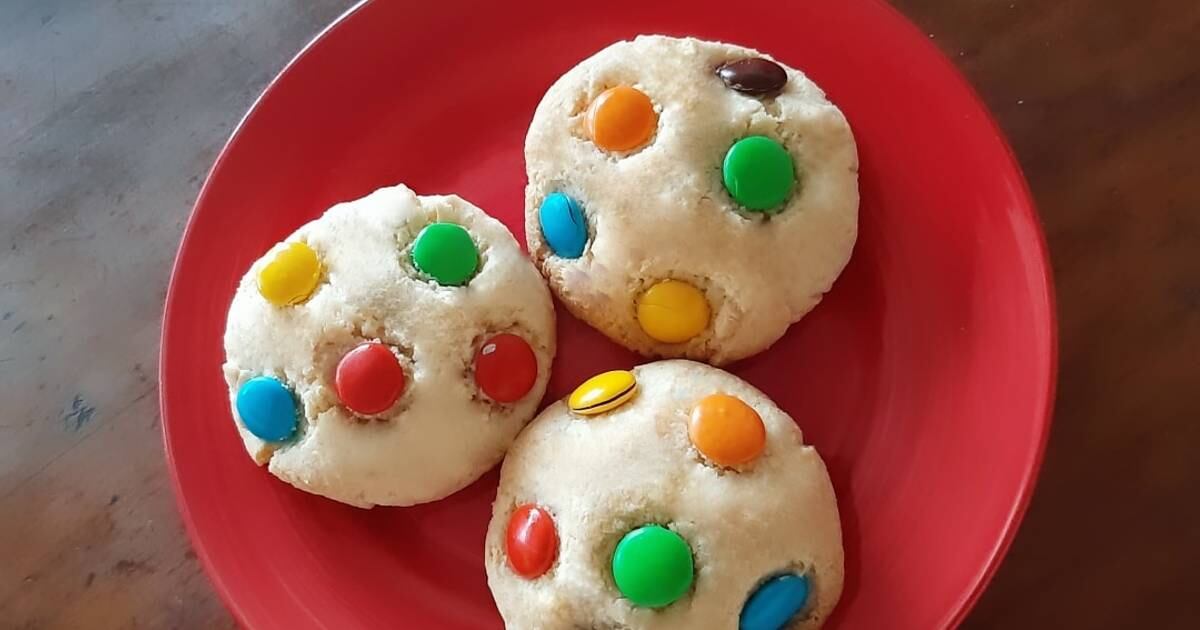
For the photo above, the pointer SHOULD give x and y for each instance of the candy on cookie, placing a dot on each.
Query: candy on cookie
(389, 351)
(692, 504)
(689, 198)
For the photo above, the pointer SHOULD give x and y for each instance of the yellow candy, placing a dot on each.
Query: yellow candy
(603, 392)
(673, 311)
(291, 277)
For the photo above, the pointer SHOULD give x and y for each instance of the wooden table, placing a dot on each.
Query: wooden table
(111, 113)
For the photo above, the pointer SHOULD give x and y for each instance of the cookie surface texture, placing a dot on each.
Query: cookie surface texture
(651, 533)
(412, 342)
(741, 183)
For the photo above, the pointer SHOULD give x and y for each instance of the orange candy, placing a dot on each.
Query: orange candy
(621, 119)
(727, 431)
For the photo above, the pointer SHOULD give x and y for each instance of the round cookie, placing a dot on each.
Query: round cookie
(700, 163)
(388, 352)
(675, 496)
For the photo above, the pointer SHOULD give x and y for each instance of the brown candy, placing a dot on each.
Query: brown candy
(753, 76)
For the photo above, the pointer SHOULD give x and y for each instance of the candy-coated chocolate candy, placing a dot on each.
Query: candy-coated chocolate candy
(369, 378)
(267, 409)
(563, 225)
(446, 253)
(603, 392)
(291, 276)
(505, 368)
(531, 541)
(673, 311)
(775, 603)
(652, 566)
(759, 173)
(621, 119)
(726, 430)
(753, 76)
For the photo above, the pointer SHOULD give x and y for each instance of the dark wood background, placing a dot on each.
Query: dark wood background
(111, 112)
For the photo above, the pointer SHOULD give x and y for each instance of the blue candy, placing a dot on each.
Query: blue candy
(563, 225)
(774, 604)
(267, 408)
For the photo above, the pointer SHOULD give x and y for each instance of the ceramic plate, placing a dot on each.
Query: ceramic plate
(925, 378)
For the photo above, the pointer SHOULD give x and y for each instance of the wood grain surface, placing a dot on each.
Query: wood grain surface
(111, 112)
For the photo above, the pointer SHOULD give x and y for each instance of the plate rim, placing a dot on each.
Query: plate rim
(1032, 474)
(223, 591)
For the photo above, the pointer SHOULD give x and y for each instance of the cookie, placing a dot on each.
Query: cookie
(675, 496)
(689, 198)
(389, 351)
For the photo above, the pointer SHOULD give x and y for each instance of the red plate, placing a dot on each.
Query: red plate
(925, 378)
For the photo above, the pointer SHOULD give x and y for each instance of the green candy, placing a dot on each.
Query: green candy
(652, 566)
(759, 173)
(446, 253)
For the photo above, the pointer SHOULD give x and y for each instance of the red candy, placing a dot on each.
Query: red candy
(505, 368)
(369, 378)
(531, 541)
